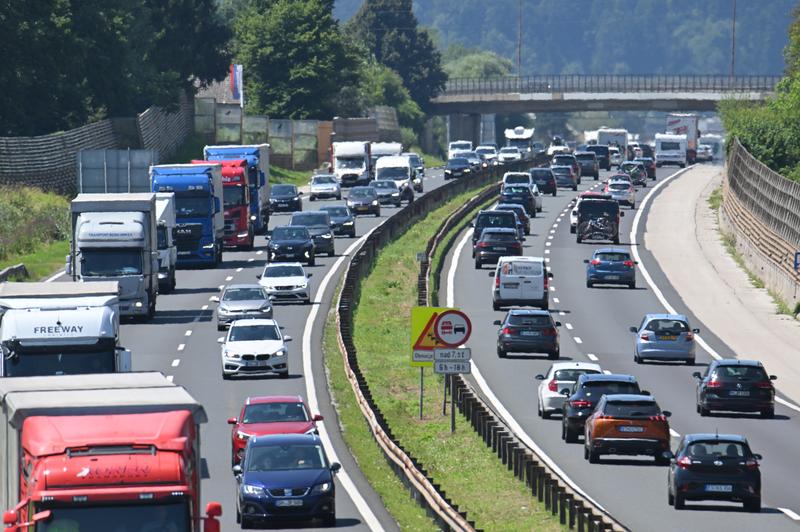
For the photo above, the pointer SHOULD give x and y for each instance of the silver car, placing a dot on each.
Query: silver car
(324, 186)
(242, 301)
(286, 281)
(664, 337)
(622, 191)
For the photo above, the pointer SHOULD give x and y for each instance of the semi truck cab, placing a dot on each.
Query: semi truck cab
(257, 168)
(236, 202)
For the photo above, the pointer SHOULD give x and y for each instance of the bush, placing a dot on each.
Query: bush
(30, 218)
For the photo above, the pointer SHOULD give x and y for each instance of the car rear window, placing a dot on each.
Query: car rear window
(541, 175)
(598, 389)
(573, 374)
(666, 326)
(530, 321)
(563, 159)
(585, 157)
(496, 219)
(619, 186)
(597, 208)
(518, 178)
(243, 294)
(522, 267)
(740, 372)
(612, 257)
(498, 237)
(716, 449)
(516, 190)
(631, 409)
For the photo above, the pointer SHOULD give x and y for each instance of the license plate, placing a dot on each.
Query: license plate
(496, 248)
(289, 502)
(510, 285)
(251, 363)
(668, 337)
(630, 428)
(739, 393)
(283, 204)
(530, 333)
(612, 277)
(720, 488)
(289, 248)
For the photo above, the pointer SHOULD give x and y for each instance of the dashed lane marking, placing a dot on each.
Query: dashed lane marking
(259, 252)
(674, 433)
(568, 326)
(239, 269)
(578, 340)
(251, 259)
(204, 307)
(176, 362)
(790, 514)
(592, 357)
(188, 333)
(556, 301)
(229, 278)
(181, 347)
(170, 378)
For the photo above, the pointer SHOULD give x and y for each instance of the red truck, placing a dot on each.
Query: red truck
(103, 452)
(239, 227)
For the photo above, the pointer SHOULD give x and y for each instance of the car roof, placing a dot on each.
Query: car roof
(526, 174)
(284, 439)
(310, 212)
(508, 206)
(630, 398)
(737, 362)
(274, 264)
(487, 211)
(253, 322)
(612, 250)
(522, 258)
(610, 377)
(680, 317)
(528, 312)
(265, 399)
(575, 365)
(287, 226)
(702, 436)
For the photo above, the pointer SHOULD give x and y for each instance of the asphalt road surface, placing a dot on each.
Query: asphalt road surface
(595, 328)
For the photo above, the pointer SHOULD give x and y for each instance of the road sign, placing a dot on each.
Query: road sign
(423, 339)
(452, 354)
(452, 367)
(421, 355)
(452, 328)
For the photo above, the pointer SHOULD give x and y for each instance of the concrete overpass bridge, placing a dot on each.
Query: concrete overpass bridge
(465, 100)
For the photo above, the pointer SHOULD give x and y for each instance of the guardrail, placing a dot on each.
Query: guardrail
(410, 471)
(610, 83)
(559, 496)
(17, 271)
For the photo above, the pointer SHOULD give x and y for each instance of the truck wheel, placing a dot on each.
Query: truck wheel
(311, 261)
(151, 309)
(172, 280)
(251, 239)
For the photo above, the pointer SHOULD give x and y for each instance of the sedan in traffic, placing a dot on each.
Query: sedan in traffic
(528, 331)
(664, 337)
(565, 176)
(494, 243)
(584, 396)
(342, 220)
(457, 167)
(318, 224)
(324, 186)
(254, 348)
(286, 282)
(560, 377)
(364, 200)
(623, 192)
(387, 192)
(544, 180)
(525, 195)
(241, 301)
(509, 154)
(735, 385)
(285, 198)
(291, 243)
(521, 213)
(610, 266)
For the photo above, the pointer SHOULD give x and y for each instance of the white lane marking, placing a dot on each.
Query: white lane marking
(790, 514)
(239, 269)
(259, 252)
(657, 291)
(547, 259)
(176, 362)
(170, 378)
(552, 231)
(578, 340)
(562, 313)
(550, 237)
(548, 243)
(55, 276)
(211, 298)
(251, 259)
(552, 288)
(188, 333)
(592, 357)
(674, 433)
(515, 427)
(556, 300)
(568, 326)
(547, 252)
(349, 486)
(181, 347)
(204, 307)
(229, 278)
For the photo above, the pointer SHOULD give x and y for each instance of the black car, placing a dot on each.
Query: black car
(387, 191)
(495, 243)
(714, 467)
(493, 219)
(603, 157)
(647, 151)
(735, 385)
(565, 176)
(544, 180)
(290, 244)
(649, 165)
(520, 194)
(587, 160)
(585, 395)
(319, 227)
(521, 213)
(364, 200)
(284, 197)
(598, 219)
(342, 220)
(457, 167)
(528, 331)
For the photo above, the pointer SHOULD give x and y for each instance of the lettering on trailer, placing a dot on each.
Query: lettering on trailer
(128, 472)
(57, 330)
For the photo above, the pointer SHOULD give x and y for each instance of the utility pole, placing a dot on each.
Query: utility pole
(519, 40)
(733, 40)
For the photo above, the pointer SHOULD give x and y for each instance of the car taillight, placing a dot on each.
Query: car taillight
(751, 464)
(595, 262)
(546, 282)
(578, 403)
(766, 385)
(552, 386)
(684, 462)
(515, 245)
(605, 189)
(549, 332)
(482, 244)
(657, 418)
(628, 264)
(509, 330)
(645, 337)
(714, 384)
(497, 281)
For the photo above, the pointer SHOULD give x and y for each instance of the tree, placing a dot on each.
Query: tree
(478, 64)
(294, 56)
(389, 30)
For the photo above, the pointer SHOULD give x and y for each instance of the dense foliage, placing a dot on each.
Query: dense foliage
(69, 62)
(30, 218)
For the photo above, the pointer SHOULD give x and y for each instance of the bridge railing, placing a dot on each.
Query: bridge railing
(610, 83)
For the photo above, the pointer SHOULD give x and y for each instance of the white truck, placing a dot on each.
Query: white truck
(398, 168)
(167, 250)
(717, 143)
(457, 146)
(60, 329)
(670, 149)
(383, 149)
(352, 162)
(522, 138)
(614, 137)
(685, 124)
(114, 239)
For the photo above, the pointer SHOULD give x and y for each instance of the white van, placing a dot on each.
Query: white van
(399, 169)
(517, 178)
(521, 281)
(456, 146)
(670, 149)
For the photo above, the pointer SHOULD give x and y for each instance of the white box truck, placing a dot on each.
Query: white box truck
(685, 124)
(614, 137)
(167, 250)
(670, 149)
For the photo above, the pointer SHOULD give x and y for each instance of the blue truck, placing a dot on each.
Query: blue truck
(257, 157)
(200, 224)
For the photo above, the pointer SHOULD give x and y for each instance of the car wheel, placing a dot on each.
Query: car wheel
(660, 460)
(753, 505)
(632, 285)
(616, 239)
(574, 187)
(539, 408)
(501, 352)
(670, 498)
(594, 457)
(633, 206)
(378, 214)
(578, 239)
(478, 264)
(554, 193)
(533, 214)
(238, 513)
(572, 229)
(690, 362)
(284, 375)
(597, 177)
(637, 358)
(554, 355)
(312, 198)
(589, 284)
(768, 413)
(329, 520)
(339, 197)
(703, 411)
(226, 377)
(311, 261)
(220, 327)
(332, 253)
(246, 523)
(495, 306)
(570, 436)
(546, 305)
(680, 504)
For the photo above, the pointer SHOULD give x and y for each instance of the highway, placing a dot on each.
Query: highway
(595, 328)
(181, 342)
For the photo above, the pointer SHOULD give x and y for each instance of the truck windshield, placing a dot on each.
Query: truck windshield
(161, 234)
(233, 196)
(111, 262)
(119, 518)
(192, 205)
(27, 362)
(393, 172)
(349, 163)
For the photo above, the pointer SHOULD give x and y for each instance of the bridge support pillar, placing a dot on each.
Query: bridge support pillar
(464, 127)
(488, 129)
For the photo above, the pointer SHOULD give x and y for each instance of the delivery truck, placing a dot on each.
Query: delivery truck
(685, 124)
(352, 162)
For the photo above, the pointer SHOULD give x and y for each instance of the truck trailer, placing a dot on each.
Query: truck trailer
(239, 223)
(167, 250)
(685, 124)
(85, 452)
(61, 329)
(352, 162)
(114, 239)
(670, 149)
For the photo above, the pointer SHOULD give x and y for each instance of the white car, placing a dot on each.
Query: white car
(705, 153)
(614, 156)
(560, 376)
(254, 347)
(324, 186)
(286, 281)
(489, 154)
(509, 154)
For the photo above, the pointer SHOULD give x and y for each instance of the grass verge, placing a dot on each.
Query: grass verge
(42, 263)
(292, 177)
(715, 199)
(459, 462)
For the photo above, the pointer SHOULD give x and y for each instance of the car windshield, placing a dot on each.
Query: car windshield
(138, 516)
(598, 209)
(243, 294)
(253, 333)
(716, 449)
(572, 374)
(366, 192)
(284, 190)
(486, 151)
(498, 237)
(323, 180)
(290, 233)
(631, 409)
(740, 373)
(460, 146)
(384, 184)
(597, 389)
(233, 195)
(612, 256)
(600, 150)
(517, 178)
(457, 162)
(666, 326)
(619, 186)
(522, 320)
(285, 457)
(274, 413)
(283, 271)
(111, 262)
(518, 209)
(161, 236)
(349, 163)
(496, 219)
(414, 160)
(308, 219)
(337, 211)
(393, 172)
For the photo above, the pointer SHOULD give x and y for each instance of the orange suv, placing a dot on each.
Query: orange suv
(627, 424)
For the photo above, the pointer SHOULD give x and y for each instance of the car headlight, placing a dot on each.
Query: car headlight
(280, 352)
(223, 311)
(249, 489)
(325, 487)
(295, 198)
(348, 223)
(374, 203)
(447, 171)
(467, 170)
(266, 308)
(243, 435)
(395, 194)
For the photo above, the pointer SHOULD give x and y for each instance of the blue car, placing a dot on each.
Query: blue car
(283, 477)
(664, 337)
(611, 266)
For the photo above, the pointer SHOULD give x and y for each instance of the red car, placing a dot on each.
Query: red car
(270, 414)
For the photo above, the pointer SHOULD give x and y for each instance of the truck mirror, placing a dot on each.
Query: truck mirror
(335, 467)
(287, 338)
(213, 509)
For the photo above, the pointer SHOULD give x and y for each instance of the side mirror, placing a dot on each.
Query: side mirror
(221, 340)
(214, 299)
(287, 338)
(696, 331)
(9, 517)
(666, 413)
(491, 274)
(335, 467)
(309, 275)
(697, 375)
(773, 377)
(299, 192)
(667, 455)
(258, 276)
(550, 275)
(539, 377)
(586, 261)
(232, 421)
(622, 214)
(558, 324)
(644, 392)
(213, 509)
(757, 456)
(318, 417)
(472, 224)
(497, 322)
(237, 470)
(633, 329)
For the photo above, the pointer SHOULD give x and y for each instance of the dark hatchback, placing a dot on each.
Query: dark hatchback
(521, 213)
(649, 165)
(319, 227)
(587, 160)
(495, 243)
(544, 180)
(342, 220)
(610, 266)
(585, 395)
(521, 195)
(493, 219)
(285, 477)
(734, 385)
(285, 198)
(718, 467)
(528, 331)
(457, 167)
(603, 157)
(364, 200)
(565, 176)
(291, 243)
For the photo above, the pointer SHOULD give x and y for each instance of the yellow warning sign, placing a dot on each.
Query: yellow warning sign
(423, 337)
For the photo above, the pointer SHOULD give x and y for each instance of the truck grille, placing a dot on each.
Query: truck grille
(187, 236)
